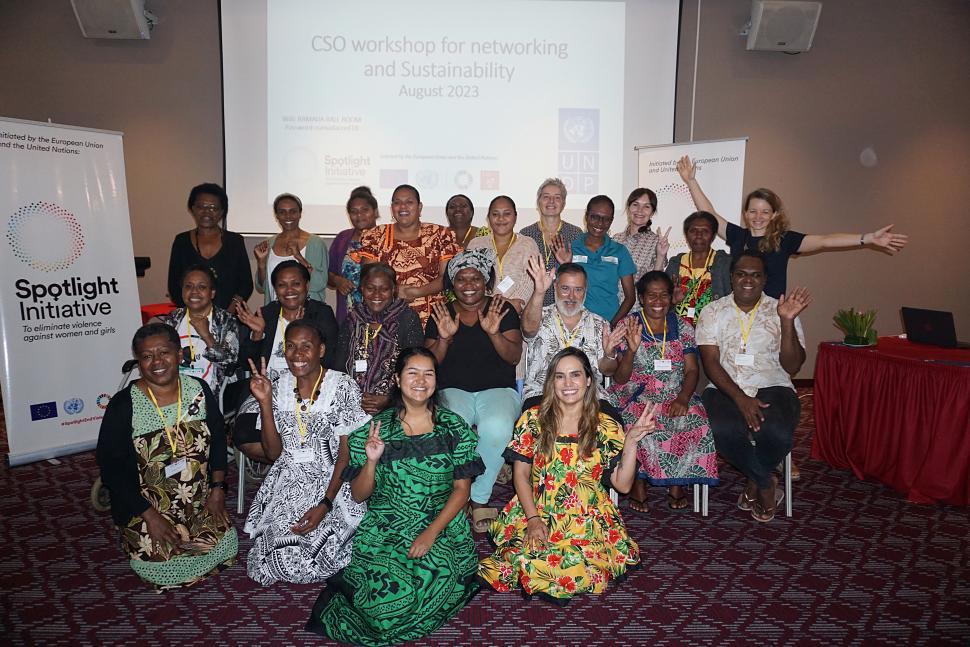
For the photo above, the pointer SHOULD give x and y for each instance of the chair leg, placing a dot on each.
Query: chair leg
(241, 462)
(705, 493)
(788, 500)
(614, 497)
(697, 497)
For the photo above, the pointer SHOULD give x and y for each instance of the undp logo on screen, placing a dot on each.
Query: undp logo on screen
(579, 144)
(45, 236)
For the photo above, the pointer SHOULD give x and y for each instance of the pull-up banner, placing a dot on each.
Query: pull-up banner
(68, 296)
(720, 172)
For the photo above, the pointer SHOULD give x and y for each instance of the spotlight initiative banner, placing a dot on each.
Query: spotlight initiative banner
(720, 171)
(68, 297)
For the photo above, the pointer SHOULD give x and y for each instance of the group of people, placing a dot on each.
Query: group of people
(571, 358)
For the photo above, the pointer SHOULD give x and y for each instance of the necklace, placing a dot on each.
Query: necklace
(301, 405)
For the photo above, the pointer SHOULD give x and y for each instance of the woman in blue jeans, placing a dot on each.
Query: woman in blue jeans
(477, 342)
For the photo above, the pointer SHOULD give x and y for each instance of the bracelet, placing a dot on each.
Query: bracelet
(528, 519)
(219, 485)
(327, 502)
(862, 239)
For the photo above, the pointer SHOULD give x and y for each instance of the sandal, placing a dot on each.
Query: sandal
(677, 503)
(760, 514)
(638, 505)
(745, 502)
(482, 518)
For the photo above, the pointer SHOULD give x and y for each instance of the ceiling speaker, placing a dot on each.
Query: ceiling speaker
(112, 18)
(783, 25)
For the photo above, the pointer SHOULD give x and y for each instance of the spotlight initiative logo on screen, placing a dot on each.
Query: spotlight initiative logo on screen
(579, 145)
(45, 236)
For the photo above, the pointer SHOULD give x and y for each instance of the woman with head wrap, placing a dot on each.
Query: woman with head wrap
(480, 331)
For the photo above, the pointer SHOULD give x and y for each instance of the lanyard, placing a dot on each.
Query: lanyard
(501, 257)
(545, 247)
(695, 292)
(368, 337)
(281, 326)
(663, 344)
(169, 432)
(298, 406)
(746, 330)
(562, 332)
(188, 334)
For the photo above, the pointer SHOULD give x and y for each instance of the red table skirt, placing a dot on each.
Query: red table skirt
(887, 415)
(150, 310)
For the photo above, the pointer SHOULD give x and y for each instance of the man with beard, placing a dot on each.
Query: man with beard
(548, 329)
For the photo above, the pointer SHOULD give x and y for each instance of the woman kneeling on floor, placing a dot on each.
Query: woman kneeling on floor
(414, 561)
(162, 454)
(303, 517)
(560, 534)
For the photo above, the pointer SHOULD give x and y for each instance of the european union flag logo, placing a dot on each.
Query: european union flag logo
(43, 411)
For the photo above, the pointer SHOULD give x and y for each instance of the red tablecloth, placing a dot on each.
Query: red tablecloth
(898, 413)
(150, 310)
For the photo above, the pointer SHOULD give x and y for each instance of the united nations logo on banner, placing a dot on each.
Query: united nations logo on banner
(45, 236)
(73, 406)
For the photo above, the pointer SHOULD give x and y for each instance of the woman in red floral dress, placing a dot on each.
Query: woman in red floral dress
(560, 534)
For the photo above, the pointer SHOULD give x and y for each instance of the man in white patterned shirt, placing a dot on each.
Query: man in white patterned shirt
(751, 345)
(548, 329)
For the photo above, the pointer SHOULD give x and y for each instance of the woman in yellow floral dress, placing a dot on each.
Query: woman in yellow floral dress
(560, 534)
(162, 454)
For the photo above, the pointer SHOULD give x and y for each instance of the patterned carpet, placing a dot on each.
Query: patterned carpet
(855, 565)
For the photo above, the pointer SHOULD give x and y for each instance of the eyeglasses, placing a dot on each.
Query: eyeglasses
(212, 208)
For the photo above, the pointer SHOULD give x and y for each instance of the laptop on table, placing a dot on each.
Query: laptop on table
(933, 327)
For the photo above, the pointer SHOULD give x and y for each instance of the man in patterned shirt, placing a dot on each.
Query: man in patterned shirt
(548, 329)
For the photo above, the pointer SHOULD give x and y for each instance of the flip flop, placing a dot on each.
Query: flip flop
(482, 519)
(638, 505)
(679, 503)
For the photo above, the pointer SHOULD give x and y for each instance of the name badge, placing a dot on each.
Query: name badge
(506, 284)
(612, 259)
(302, 455)
(691, 312)
(174, 468)
(579, 258)
(360, 365)
(662, 365)
(743, 359)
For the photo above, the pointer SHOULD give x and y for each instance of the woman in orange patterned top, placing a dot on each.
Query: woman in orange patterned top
(417, 251)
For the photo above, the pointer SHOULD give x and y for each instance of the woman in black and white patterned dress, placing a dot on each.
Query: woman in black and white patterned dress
(303, 517)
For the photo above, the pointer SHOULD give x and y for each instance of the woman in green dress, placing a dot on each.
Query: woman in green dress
(162, 454)
(414, 563)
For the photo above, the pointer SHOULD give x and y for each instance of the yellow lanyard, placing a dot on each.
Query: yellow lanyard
(501, 257)
(299, 420)
(281, 326)
(562, 332)
(545, 247)
(663, 344)
(188, 334)
(745, 330)
(169, 432)
(368, 337)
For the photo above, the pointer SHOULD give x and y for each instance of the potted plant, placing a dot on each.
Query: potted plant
(857, 326)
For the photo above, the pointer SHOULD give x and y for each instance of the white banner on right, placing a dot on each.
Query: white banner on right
(720, 171)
